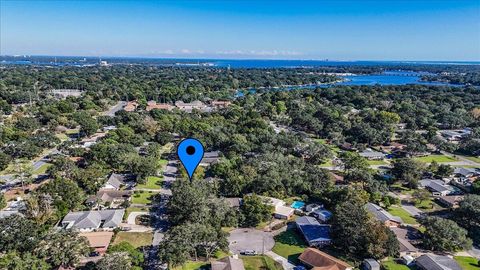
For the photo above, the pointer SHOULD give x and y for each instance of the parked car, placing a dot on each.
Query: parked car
(248, 252)
(94, 254)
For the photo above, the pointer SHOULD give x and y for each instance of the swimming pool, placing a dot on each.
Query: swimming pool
(297, 204)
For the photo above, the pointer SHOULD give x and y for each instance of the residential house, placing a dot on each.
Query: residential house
(151, 105)
(437, 187)
(312, 207)
(194, 105)
(219, 104)
(99, 241)
(372, 155)
(280, 210)
(315, 234)
(465, 172)
(234, 202)
(382, 215)
(431, 261)
(450, 201)
(92, 140)
(371, 264)
(131, 106)
(322, 214)
(117, 181)
(87, 221)
(210, 158)
(392, 147)
(228, 263)
(405, 236)
(109, 198)
(455, 135)
(318, 260)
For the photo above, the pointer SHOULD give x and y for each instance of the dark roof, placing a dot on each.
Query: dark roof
(437, 262)
(312, 230)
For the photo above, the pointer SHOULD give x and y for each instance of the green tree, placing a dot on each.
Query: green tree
(136, 256)
(25, 261)
(468, 216)
(4, 161)
(18, 234)
(115, 260)
(3, 201)
(63, 247)
(254, 211)
(408, 170)
(444, 235)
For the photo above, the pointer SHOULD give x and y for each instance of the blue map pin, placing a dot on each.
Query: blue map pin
(190, 151)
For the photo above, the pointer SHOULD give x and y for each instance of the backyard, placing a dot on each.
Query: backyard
(137, 239)
(391, 264)
(153, 182)
(144, 197)
(260, 262)
(404, 215)
(192, 265)
(468, 263)
(437, 158)
(290, 245)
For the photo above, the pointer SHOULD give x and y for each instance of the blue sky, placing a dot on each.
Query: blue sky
(342, 30)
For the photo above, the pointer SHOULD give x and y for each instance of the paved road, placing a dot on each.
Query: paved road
(119, 106)
(251, 239)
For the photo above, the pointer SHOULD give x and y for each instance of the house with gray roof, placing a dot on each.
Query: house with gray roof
(86, 221)
(117, 181)
(437, 187)
(382, 215)
(228, 263)
(315, 234)
(372, 155)
(431, 261)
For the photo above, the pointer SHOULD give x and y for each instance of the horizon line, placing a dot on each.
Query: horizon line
(237, 59)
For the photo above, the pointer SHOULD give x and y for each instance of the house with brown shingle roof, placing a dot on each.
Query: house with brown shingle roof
(319, 260)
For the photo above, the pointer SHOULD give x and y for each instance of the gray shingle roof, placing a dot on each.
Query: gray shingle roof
(381, 214)
(93, 219)
(116, 180)
(437, 262)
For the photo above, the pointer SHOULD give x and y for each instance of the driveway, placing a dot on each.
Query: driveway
(281, 260)
(412, 210)
(133, 215)
(119, 106)
(252, 239)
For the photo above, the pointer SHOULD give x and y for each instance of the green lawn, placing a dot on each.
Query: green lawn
(400, 212)
(163, 162)
(327, 164)
(427, 204)
(72, 131)
(135, 209)
(390, 264)
(467, 263)
(377, 162)
(260, 262)
(191, 265)
(62, 136)
(137, 239)
(474, 159)
(290, 245)
(153, 182)
(437, 158)
(142, 197)
(42, 169)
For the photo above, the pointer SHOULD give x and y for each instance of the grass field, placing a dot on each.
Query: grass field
(153, 182)
(400, 212)
(377, 162)
(390, 264)
(42, 169)
(437, 158)
(191, 265)
(62, 136)
(142, 197)
(474, 159)
(467, 263)
(260, 262)
(327, 164)
(290, 245)
(137, 239)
